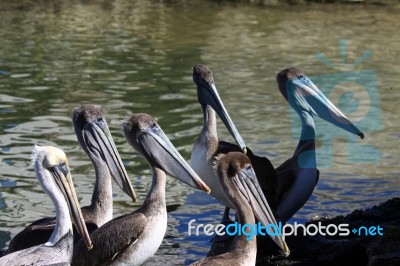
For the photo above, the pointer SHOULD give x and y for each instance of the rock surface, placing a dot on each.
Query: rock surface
(354, 249)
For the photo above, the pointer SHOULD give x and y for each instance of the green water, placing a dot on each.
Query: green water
(137, 57)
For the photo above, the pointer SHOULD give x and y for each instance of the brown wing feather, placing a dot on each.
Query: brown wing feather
(39, 232)
(110, 240)
(34, 234)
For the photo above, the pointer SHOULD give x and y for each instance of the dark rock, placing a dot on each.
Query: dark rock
(353, 249)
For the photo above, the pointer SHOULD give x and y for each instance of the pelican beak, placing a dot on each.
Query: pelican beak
(211, 97)
(322, 106)
(63, 179)
(247, 183)
(100, 140)
(157, 147)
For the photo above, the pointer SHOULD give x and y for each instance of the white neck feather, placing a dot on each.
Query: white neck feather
(63, 219)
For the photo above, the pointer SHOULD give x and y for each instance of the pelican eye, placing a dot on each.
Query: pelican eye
(63, 167)
(101, 122)
(153, 127)
(249, 171)
(300, 76)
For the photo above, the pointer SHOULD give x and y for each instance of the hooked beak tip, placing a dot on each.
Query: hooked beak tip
(133, 196)
(286, 251)
(361, 135)
(134, 199)
(206, 188)
(244, 150)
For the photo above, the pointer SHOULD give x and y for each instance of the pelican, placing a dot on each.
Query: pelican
(95, 139)
(52, 171)
(239, 183)
(207, 146)
(298, 175)
(133, 238)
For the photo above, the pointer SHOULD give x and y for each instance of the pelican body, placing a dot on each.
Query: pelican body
(95, 139)
(52, 171)
(133, 238)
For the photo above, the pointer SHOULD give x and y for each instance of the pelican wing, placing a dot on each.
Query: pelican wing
(34, 234)
(40, 254)
(110, 240)
(227, 258)
(38, 233)
(31, 256)
(286, 177)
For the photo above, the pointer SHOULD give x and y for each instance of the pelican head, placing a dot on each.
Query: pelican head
(304, 96)
(95, 138)
(146, 136)
(208, 95)
(52, 171)
(240, 184)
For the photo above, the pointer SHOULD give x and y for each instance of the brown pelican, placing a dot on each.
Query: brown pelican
(207, 146)
(95, 139)
(133, 238)
(298, 175)
(239, 183)
(52, 171)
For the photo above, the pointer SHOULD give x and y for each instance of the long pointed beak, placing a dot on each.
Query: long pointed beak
(160, 150)
(248, 184)
(212, 98)
(105, 143)
(64, 181)
(323, 107)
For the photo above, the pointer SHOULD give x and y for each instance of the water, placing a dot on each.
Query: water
(137, 57)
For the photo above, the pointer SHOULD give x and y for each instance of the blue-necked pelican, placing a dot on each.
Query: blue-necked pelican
(133, 238)
(52, 171)
(299, 174)
(95, 139)
(239, 183)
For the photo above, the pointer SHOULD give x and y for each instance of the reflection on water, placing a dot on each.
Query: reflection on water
(130, 57)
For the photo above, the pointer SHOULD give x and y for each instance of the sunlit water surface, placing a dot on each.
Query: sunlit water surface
(137, 57)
